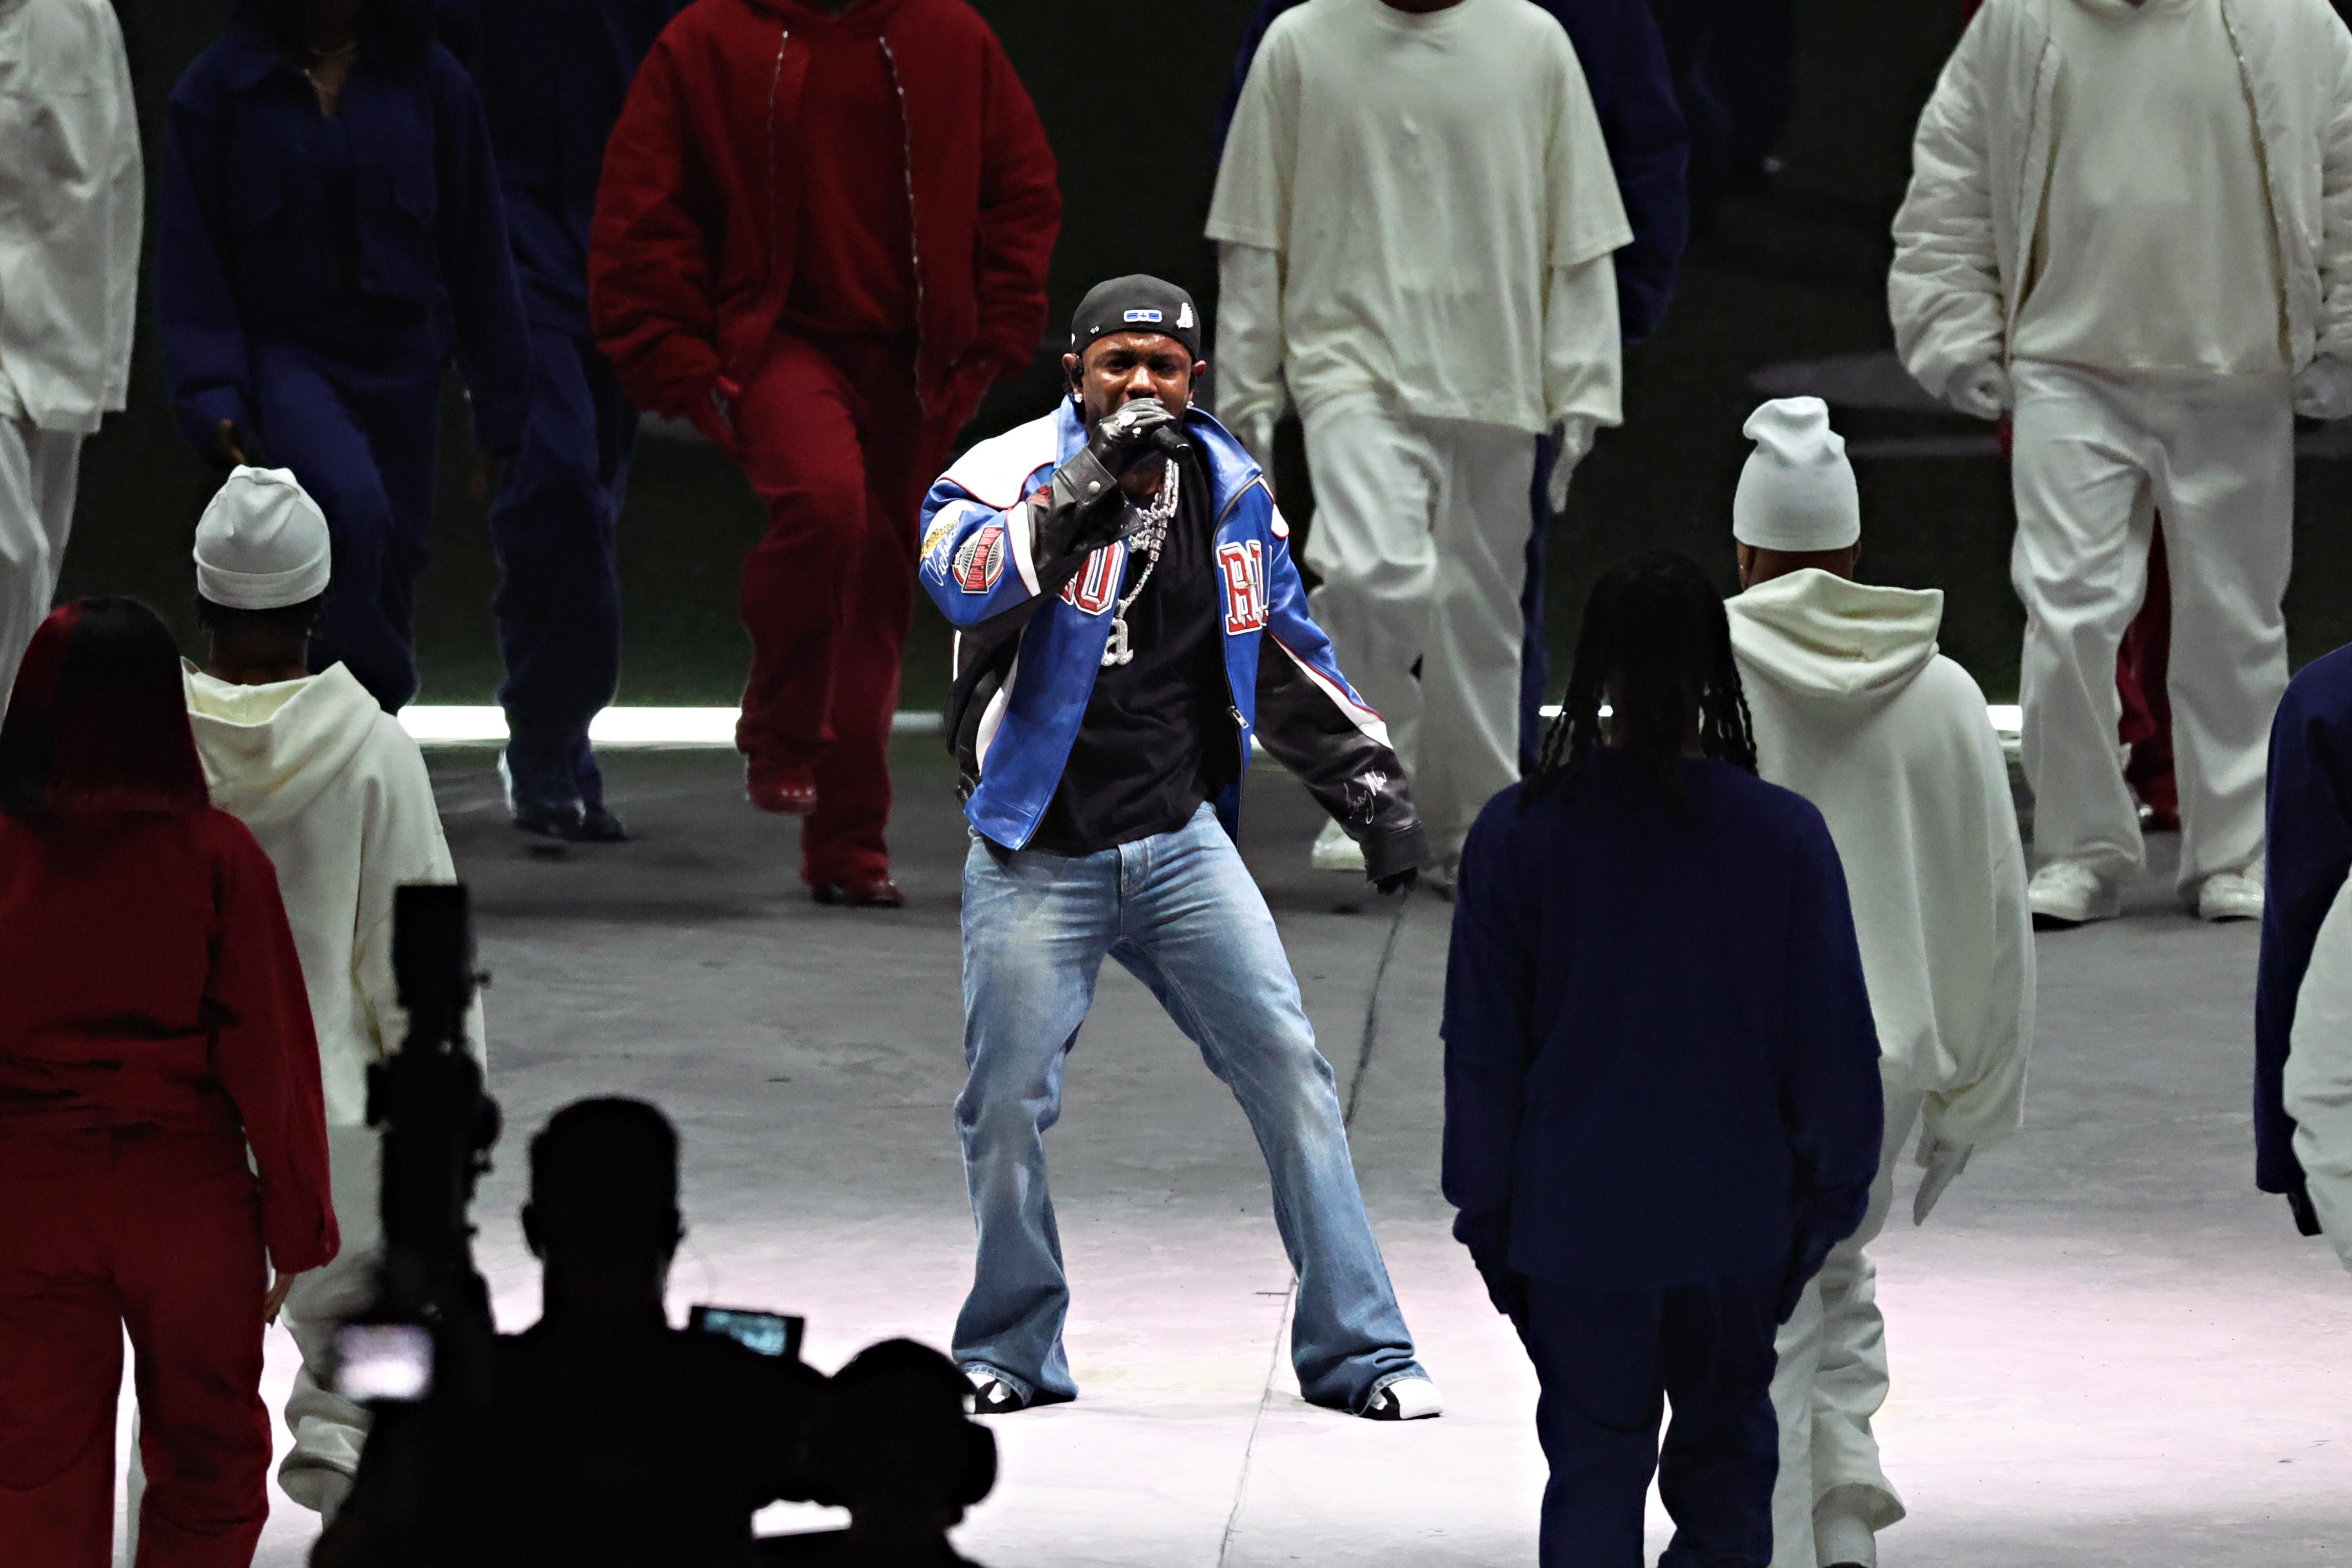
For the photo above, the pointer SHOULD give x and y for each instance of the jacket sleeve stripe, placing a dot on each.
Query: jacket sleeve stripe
(1018, 540)
(992, 718)
(1370, 723)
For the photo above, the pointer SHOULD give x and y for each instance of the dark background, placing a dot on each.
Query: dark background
(1793, 273)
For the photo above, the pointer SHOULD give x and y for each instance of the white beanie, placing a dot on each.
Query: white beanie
(1797, 493)
(262, 543)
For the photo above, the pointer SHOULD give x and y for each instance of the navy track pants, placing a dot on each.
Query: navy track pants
(360, 438)
(1608, 1361)
(554, 529)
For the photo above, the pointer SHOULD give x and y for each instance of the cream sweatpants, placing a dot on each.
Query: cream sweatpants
(1831, 1498)
(39, 472)
(1419, 538)
(2094, 456)
(328, 1428)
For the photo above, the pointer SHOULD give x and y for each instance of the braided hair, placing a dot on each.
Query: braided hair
(1655, 643)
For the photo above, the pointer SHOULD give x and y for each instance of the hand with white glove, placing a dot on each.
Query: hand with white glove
(1572, 439)
(1943, 1163)
(2323, 389)
(1979, 389)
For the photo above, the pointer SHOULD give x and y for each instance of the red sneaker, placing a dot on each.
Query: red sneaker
(876, 893)
(788, 792)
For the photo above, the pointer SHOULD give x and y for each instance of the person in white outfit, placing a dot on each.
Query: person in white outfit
(337, 793)
(2318, 1076)
(71, 204)
(1414, 216)
(1854, 709)
(2127, 227)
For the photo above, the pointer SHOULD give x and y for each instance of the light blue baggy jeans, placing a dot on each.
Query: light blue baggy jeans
(1181, 912)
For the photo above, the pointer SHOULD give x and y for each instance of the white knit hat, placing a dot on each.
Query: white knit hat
(1797, 493)
(262, 543)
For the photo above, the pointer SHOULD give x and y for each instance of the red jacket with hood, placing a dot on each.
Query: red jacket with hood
(695, 235)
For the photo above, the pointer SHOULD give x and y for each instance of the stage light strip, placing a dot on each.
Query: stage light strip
(623, 727)
(433, 725)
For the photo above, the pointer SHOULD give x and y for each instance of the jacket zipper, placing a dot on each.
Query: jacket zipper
(914, 236)
(2270, 190)
(775, 85)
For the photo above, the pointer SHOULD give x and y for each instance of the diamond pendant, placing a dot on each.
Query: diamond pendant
(1116, 652)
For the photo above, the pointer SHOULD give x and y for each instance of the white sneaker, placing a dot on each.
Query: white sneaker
(2230, 896)
(1406, 1399)
(1335, 851)
(2068, 893)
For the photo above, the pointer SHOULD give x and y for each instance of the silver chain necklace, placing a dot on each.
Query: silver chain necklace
(1150, 535)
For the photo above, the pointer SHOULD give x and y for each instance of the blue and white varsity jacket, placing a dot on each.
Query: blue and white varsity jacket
(1032, 611)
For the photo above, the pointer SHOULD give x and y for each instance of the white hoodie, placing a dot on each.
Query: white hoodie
(337, 793)
(1855, 711)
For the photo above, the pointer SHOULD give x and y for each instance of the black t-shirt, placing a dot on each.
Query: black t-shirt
(1158, 738)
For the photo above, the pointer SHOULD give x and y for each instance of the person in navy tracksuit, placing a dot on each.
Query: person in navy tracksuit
(1129, 618)
(1663, 1104)
(2308, 831)
(552, 75)
(1626, 67)
(330, 230)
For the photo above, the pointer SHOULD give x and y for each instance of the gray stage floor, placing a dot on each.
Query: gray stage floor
(2108, 1349)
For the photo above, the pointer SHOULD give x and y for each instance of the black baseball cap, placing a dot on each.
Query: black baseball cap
(1137, 303)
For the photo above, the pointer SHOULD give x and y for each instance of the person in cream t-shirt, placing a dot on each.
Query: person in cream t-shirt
(2121, 230)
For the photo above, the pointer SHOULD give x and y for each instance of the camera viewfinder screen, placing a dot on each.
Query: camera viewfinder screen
(769, 1333)
(383, 1360)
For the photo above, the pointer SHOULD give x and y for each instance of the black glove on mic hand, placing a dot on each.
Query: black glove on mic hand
(1397, 881)
(1140, 429)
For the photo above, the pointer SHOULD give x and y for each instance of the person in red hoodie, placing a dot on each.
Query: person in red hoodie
(153, 1027)
(822, 231)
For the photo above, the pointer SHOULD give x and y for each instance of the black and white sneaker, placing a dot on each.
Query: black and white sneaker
(1406, 1399)
(993, 1395)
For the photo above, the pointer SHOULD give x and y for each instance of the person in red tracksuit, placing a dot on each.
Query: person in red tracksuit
(153, 1027)
(822, 231)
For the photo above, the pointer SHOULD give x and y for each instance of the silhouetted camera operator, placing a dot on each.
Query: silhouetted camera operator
(897, 1450)
(607, 1440)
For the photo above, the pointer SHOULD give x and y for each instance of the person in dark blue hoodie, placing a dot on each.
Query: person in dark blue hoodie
(552, 75)
(1661, 1094)
(330, 230)
(1626, 67)
(2308, 855)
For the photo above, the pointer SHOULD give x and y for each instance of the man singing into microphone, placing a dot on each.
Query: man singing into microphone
(1129, 617)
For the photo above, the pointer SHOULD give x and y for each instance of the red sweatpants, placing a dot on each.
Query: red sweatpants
(2142, 667)
(837, 444)
(160, 1232)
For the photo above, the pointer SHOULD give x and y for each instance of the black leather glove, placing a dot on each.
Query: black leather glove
(1806, 1256)
(1396, 881)
(2306, 1218)
(1506, 1286)
(1139, 429)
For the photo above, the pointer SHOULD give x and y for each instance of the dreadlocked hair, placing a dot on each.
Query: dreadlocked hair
(1655, 644)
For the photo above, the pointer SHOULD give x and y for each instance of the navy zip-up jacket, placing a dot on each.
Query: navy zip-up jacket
(1624, 61)
(276, 223)
(552, 75)
(2308, 855)
(1660, 1064)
